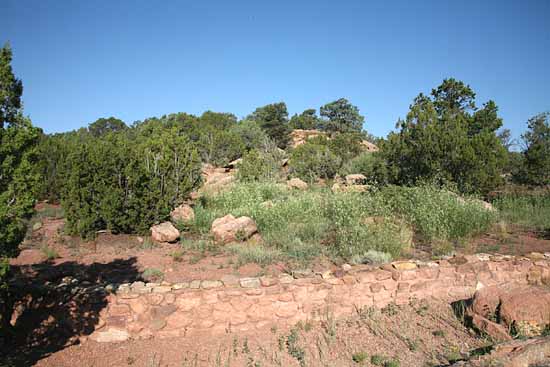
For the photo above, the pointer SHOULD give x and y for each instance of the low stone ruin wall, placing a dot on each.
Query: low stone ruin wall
(141, 310)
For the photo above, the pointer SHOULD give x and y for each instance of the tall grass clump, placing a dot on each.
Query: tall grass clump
(438, 214)
(531, 211)
(353, 234)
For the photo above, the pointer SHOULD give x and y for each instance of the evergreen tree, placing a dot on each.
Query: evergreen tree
(273, 119)
(341, 116)
(18, 176)
(445, 138)
(537, 152)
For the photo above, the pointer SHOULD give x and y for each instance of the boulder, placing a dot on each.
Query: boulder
(164, 232)
(230, 229)
(496, 331)
(296, 183)
(527, 308)
(356, 179)
(183, 213)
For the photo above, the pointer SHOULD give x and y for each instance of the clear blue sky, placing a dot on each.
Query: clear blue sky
(81, 60)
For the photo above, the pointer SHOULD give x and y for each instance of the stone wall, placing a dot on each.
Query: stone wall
(141, 310)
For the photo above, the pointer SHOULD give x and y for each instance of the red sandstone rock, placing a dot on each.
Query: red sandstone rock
(164, 232)
(183, 213)
(230, 229)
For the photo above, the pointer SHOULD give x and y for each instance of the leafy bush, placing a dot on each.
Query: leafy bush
(261, 165)
(125, 186)
(311, 161)
(220, 147)
(251, 133)
(371, 165)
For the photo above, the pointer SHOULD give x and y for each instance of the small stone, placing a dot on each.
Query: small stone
(36, 226)
(195, 284)
(230, 280)
(285, 279)
(180, 285)
(162, 289)
(327, 274)
(268, 281)
(346, 267)
(249, 282)
(302, 273)
(110, 336)
(207, 284)
(404, 265)
(110, 288)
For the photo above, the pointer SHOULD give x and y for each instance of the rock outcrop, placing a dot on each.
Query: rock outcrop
(299, 137)
(230, 229)
(164, 232)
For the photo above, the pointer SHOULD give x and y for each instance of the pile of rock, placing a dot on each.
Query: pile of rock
(166, 231)
(351, 183)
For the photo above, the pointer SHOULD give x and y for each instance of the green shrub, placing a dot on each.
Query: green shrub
(371, 165)
(251, 133)
(359, 357)
(152, 275)
(311, 161)
(261, 165)
(220, 147)
(126, 186)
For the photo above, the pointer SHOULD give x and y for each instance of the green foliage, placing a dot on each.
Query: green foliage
(251, 133)
(273, 118)
(360, 357)
(530, 210)
(18, 174)
(126, 185)
(371, 257)
(346, 145)
(152, 275)
(258, 254)
(261, 165)
(341, 116)
(11, 89)
(307, 120)
(368, 227)
(314, 160)
(220, 147)
(352, 236)
(103, 126)
(537, 154)
(438, 214)
(371, 165)
(442, 140)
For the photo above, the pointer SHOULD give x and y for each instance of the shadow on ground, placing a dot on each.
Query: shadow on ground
(55, 304)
